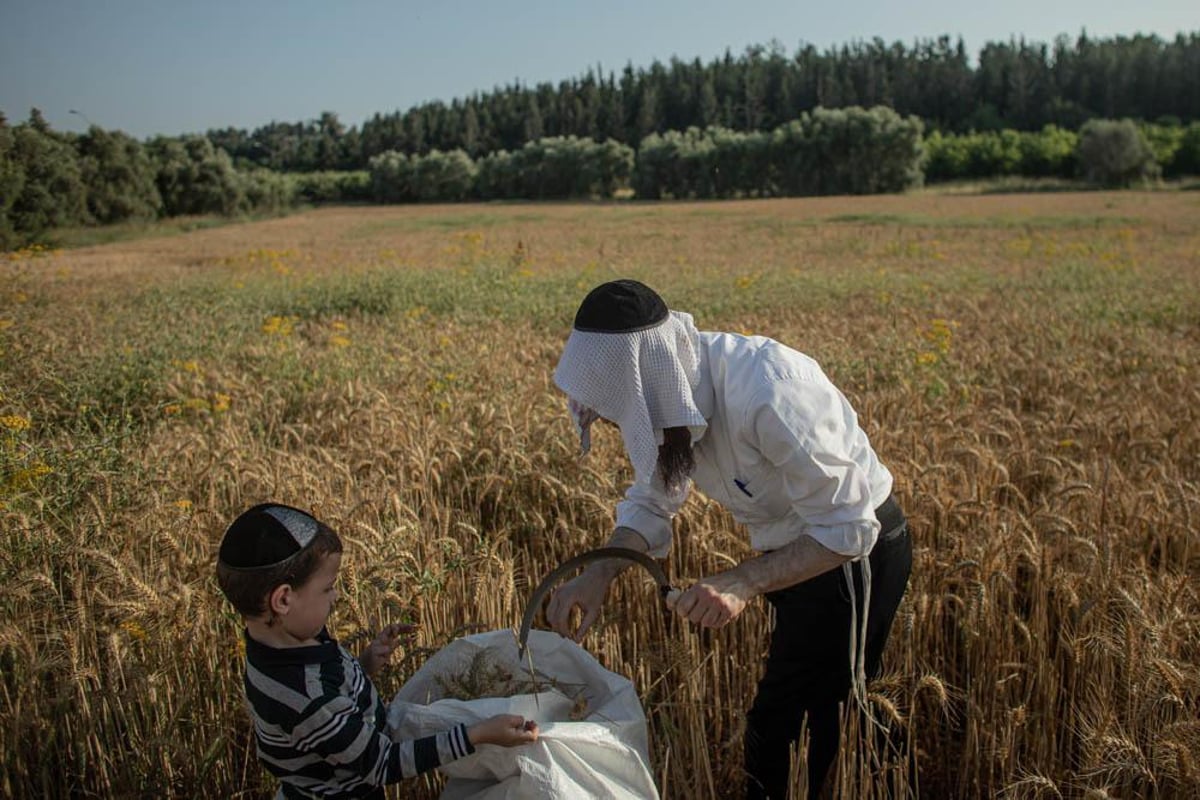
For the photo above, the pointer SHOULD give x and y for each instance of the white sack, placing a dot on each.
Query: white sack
(603, 755)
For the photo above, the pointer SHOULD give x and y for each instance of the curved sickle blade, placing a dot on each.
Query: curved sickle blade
(570, 565)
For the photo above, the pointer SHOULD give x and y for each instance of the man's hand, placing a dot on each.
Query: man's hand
(506, 730)
(585, 592)
(377, 653)
(713, 601)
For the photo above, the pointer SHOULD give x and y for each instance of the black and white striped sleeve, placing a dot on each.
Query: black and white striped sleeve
(343, 735)
(421, 755)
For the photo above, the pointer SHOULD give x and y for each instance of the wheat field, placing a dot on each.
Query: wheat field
(1027, 365)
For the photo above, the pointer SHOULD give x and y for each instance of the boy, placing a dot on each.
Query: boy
(318, 721)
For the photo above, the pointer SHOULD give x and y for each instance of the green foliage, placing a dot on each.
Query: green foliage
(47, 179)
(119, 177)
(391, 178)
(1046, 153)
(1187, 157)
(495, 178)
(12, 181)
(55, 181)
(973, 155)
(194, 177)
(1164, 141)
(442, 177)
(437, 177)
(333, 186)
(848, 151)
(52, 181)
(264, 191)
(1018, 85)
(738, 161)
(1176, 147)
(843, 151)
(677, 164)
(947, 156)
(1115, 153)
(556, 168)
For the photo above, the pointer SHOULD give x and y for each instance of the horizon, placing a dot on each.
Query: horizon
(126, 66)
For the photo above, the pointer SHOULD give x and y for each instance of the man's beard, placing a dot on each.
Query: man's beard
(675, 459)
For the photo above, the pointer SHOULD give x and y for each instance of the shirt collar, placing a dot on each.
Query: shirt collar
(264, 655)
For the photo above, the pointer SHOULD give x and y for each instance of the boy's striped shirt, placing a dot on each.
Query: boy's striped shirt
(321, 726)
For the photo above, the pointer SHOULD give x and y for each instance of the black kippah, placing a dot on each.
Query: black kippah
(622, 306)
(266, 535)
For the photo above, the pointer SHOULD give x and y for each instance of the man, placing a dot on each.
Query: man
(758, 427)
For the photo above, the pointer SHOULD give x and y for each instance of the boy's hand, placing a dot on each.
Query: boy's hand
(377, 653)
(506, 730)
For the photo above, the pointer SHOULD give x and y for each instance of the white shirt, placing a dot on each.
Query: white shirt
(783, 452)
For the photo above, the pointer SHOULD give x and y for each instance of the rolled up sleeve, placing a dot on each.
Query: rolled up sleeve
(805, 429)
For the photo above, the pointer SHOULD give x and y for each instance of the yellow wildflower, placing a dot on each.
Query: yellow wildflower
(220, 402)
(939, 334)
(183, 505)
(339, 341)
(14, 422)
(170, 409)
(25, 478)
(278, 325)
(926, 359)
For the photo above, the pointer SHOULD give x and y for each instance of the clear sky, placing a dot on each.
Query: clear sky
(175, 66)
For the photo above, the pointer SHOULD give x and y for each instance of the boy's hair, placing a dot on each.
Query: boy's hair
(289, 541)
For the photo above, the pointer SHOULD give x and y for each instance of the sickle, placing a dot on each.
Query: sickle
(570, 565)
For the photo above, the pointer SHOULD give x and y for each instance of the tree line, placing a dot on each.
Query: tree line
(50, 179)
(1015, 85)
(733, 128)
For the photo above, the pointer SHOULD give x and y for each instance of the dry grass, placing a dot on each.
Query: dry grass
(1026, 364)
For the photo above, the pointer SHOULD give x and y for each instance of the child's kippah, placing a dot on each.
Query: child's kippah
(266, 535)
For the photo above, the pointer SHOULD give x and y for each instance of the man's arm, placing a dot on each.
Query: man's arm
(587, 591)
(791, 564)
(717, 599)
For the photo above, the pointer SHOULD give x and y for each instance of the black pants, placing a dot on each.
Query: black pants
(808, 665)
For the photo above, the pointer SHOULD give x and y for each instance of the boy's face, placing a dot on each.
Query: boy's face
(311, 603)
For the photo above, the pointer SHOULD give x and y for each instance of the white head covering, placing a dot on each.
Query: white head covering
(642, 380)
